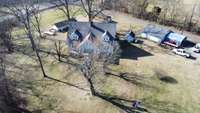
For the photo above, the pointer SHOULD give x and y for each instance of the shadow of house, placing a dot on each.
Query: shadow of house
(130, 51)
(188, 44)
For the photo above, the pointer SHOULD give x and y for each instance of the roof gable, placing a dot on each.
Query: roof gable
(98, 29)
(88, 45)
(94, 37)
(89, 38)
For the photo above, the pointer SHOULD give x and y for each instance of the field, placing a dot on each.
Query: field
(190, 1)
(162, 81)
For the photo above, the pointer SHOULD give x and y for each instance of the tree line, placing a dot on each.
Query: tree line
(167, 12)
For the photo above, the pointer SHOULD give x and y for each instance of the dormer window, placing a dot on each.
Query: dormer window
(75, 36)
(106, 37)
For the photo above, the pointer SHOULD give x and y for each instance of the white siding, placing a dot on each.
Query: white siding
(150, 37)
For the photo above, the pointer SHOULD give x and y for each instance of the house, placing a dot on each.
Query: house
(87, 38)
(155, 33)
(163, 36)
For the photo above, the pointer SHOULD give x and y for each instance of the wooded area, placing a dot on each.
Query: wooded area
(167, 12)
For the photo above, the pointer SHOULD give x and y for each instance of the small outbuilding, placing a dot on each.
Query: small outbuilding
(130, 36)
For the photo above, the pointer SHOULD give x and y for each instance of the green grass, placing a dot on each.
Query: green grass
(50, 17)
(159, 97)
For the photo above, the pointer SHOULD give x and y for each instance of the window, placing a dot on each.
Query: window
(106, 37)
(75, 36)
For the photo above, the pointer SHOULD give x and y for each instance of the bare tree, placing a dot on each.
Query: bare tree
(143, 6)
(165, 11)
(37, 21)
(93, 66)
(198, 10)
(98, 62)
(92, 8)
(23, 13)
(58, 49)
(63, 5)
(6, 34)
(68, 8)
(175, 8)
(190, 22)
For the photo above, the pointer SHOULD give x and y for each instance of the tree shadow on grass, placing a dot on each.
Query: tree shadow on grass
(168, 79)
(140, 81)
(31, 54)
(124, 104)
(134, 79)
(66, 83)
(25, 50)
(162, 106)
(10, 99)
(163, 76)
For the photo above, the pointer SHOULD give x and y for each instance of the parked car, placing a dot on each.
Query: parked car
(196, 48)
(51, 32)
(181, 52)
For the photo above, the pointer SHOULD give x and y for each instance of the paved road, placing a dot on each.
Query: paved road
(43, 6)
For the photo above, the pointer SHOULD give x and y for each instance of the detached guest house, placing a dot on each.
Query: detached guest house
(163, 36)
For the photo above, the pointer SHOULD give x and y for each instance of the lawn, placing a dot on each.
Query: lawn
(163, 82)
(50, 17)
(178, 94)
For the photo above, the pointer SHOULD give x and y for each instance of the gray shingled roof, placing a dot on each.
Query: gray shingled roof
(100, 32)
(156, 31)
(61, 24)
(98, 29)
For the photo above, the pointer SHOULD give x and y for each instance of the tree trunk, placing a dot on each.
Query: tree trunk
(58, 49)
(30, 36)
(190, 24)
(67, 9)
